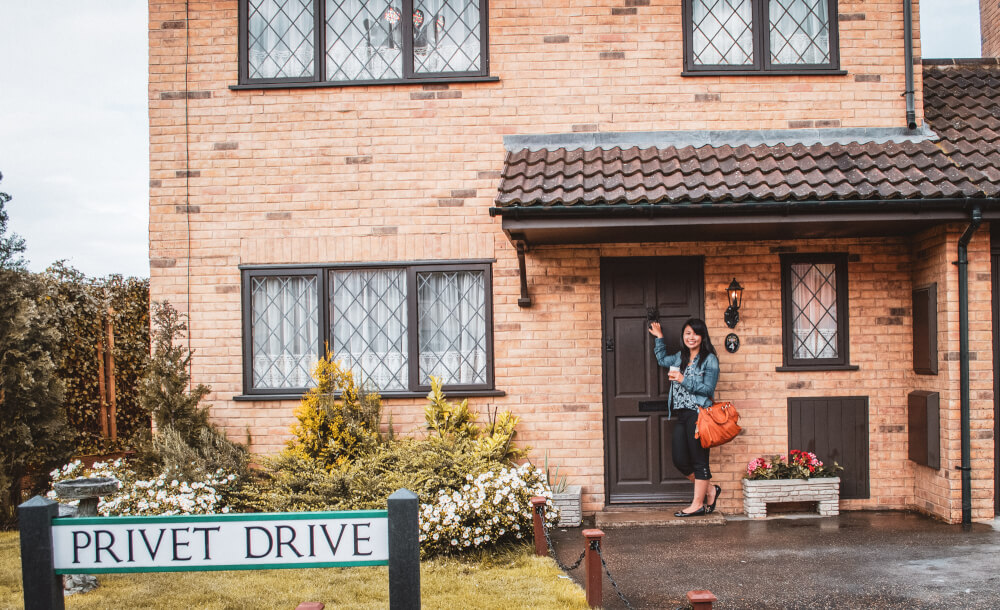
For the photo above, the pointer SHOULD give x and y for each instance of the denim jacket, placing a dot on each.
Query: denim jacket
(700, 381)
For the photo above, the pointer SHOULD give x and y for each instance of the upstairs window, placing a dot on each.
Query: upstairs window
(760, 36)
(361, 41)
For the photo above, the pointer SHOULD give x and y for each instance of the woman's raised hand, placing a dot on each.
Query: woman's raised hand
(655, 330)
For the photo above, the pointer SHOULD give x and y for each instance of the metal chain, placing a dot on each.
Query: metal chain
(611, 578)
(552, 550)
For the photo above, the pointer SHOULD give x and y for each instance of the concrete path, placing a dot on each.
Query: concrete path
(857, 560)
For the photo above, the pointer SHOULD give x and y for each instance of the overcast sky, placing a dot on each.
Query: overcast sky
(73, 123)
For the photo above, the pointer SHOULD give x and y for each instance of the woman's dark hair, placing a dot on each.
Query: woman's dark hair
(699, 328)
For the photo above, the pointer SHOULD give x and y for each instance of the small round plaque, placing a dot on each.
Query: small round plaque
(732, 343)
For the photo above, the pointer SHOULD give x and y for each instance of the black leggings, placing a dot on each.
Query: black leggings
(689, 456)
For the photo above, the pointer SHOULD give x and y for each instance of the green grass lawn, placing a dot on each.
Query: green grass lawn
(510, 579)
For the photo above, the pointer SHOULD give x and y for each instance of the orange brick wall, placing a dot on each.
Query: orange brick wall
(989, 24)
(939, 491)
(407, 172)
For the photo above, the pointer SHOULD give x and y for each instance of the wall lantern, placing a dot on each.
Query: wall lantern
(735, 292)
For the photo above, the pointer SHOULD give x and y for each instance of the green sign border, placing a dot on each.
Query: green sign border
(250, 517)
(340, 514)
(226, 568)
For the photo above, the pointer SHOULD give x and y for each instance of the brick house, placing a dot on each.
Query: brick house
(989, 24)
(502, 194)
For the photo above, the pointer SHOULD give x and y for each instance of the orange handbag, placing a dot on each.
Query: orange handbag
(717, 424)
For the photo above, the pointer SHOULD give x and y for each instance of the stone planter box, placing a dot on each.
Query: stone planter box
(757, 494)
(570, 506)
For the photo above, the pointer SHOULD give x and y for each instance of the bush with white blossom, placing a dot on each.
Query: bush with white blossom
(488, 509)
(162, 495)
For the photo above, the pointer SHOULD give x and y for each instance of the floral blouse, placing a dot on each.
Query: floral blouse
(698, 388)
(681, 397)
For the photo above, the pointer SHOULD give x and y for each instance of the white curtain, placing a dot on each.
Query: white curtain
(452, 340)
(280, 38)
(285, 319)
(722, 32)
(363, 40)
(447, 38)
(369, 325)
(814, 310)
(800, 31)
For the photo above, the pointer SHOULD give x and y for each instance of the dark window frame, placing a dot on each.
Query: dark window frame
(842, 361)
(322, 274)
(319, 55)
(762, 64)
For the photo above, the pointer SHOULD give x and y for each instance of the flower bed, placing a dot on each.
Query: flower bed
(490, 508)
(798, 477)
(161, 495)
(758, 494)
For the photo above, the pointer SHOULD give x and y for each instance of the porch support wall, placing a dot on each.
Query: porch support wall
(939, 492)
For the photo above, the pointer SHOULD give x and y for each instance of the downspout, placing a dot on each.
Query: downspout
(911, 112)
(963, 330)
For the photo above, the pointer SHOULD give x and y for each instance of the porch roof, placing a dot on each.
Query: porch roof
(579, 188)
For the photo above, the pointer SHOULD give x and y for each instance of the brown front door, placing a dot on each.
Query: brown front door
(636, 429)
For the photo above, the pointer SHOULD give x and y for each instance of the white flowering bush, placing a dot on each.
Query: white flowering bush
(162, 495)
(488, 509)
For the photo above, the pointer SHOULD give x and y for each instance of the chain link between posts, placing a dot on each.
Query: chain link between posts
(612, 578)
(540, 511)
(596, 545)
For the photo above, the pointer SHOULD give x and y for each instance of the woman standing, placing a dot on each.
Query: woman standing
(694, 371)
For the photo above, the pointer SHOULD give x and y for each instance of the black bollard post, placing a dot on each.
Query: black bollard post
(404, 551)
(42, 586)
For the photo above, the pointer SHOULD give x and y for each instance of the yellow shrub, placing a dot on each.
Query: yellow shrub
(337, 420)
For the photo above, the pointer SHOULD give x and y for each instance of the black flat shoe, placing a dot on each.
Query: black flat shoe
(697, 513)
(711, 507)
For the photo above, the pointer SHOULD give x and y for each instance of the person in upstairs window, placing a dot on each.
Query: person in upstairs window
(694, 371)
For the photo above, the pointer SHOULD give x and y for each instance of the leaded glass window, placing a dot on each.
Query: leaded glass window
(452, 327)
(363, 41)
(446, 36)
(369, 325)
(800, 32)
(760, 36)
(394, 326)
(722, 32)
(814, 310)
(285, 327)
(280, 38)
(814, 295)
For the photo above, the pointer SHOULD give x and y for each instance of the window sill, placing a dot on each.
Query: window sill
(798, 368)
(448, 393)
(803, 72)
(366, 83)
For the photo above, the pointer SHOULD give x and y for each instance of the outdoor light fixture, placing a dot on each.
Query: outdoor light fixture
(735, 292)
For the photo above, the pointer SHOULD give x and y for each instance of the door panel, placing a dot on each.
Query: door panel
(630, 379)
(633, 433)
(637, 431)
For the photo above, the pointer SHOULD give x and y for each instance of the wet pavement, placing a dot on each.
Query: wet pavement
(873, 560)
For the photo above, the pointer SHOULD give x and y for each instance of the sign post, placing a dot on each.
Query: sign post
(42, 587)
(404, 551)
(256, 541)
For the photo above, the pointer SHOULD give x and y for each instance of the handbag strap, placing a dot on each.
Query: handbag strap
(719, 415)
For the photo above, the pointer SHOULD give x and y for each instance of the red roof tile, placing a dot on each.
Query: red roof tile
(961, 105)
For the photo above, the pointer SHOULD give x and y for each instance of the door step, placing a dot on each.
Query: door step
(630, 517)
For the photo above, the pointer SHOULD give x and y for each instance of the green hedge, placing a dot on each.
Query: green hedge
(83, 305)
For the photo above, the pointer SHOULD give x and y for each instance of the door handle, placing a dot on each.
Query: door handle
(609, 345)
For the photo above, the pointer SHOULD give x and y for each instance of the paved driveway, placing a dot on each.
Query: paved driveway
(857, 560)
